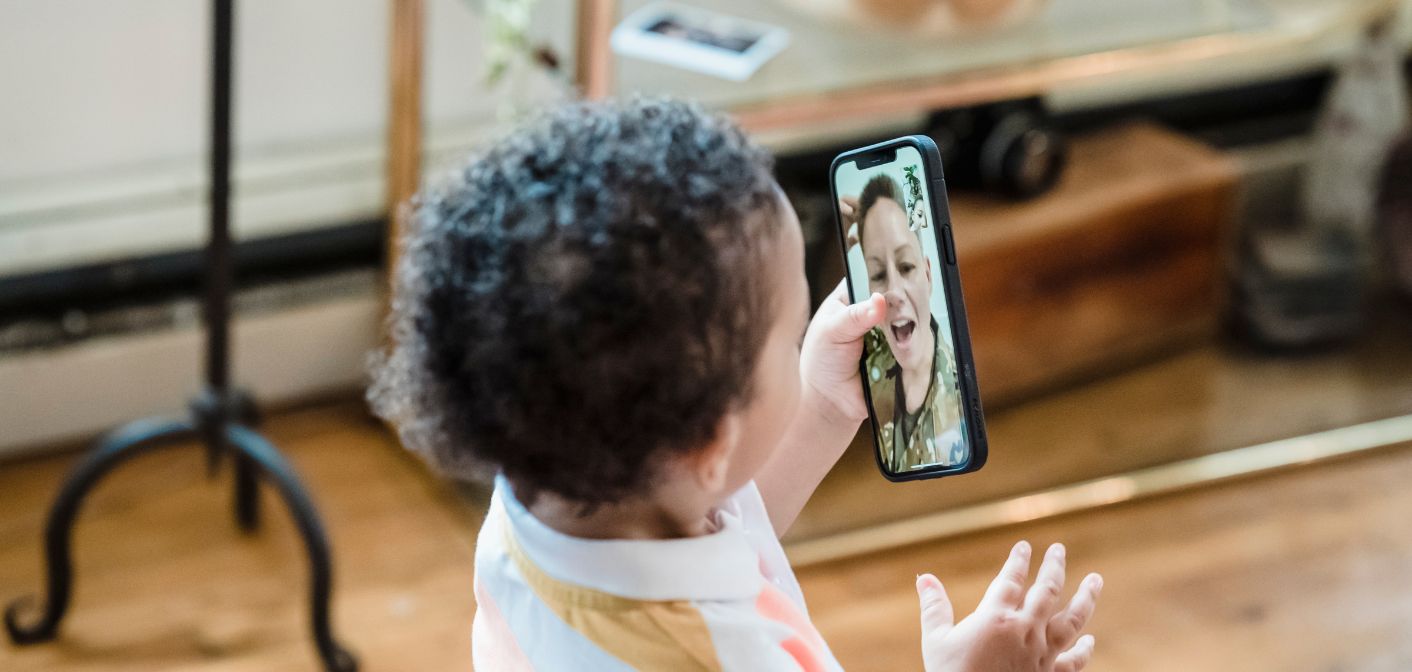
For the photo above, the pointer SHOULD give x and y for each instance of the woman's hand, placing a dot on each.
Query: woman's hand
(833, 346)
(848, 214)
(1012, 629)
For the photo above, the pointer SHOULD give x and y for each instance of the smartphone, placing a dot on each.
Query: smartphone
(918, 373)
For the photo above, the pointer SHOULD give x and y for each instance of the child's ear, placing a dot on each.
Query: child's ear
(714, 461)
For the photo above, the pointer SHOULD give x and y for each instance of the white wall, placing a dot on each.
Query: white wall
(103, 115)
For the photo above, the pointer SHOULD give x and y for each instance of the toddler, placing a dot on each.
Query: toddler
(606, 312)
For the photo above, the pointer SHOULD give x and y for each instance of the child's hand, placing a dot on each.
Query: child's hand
(830, 405)
(833, 346)
(1011, 629)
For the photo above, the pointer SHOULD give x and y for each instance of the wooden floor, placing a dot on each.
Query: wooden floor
(1306, 570)
(165, 582)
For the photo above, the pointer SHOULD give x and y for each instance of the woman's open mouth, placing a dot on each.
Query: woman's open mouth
(902, 331)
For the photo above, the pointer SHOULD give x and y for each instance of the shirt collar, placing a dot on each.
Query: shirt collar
(718, 566)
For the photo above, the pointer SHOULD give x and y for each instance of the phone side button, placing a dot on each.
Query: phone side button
(950, 246)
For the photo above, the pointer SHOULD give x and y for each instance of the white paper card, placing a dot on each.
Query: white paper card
(696, 39)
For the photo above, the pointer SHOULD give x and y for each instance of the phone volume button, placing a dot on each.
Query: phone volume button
(950, 245)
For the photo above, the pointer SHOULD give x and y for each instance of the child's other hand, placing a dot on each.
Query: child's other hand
(833, 345)
(1012, 629)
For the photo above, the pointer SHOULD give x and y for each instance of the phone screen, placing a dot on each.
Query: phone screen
(909, 361)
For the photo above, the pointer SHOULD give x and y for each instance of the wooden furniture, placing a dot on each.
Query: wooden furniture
(1120, 261)
(592, 74)
(834, 75)
(404, 118)
(593, 55)
(831, 77)
(825, 82)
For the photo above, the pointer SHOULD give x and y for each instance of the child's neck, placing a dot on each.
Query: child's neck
(640, 518)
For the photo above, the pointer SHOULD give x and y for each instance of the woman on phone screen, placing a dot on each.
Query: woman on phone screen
(915, 375)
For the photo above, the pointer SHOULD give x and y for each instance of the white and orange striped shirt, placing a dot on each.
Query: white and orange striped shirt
(724, 601)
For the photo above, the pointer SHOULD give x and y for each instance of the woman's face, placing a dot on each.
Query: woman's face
(899, 271)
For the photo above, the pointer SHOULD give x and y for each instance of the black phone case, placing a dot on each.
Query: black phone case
(961, 335)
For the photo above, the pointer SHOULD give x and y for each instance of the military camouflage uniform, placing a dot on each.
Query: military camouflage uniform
(909, 439)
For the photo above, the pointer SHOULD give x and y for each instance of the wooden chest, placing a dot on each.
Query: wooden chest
(1122, 260)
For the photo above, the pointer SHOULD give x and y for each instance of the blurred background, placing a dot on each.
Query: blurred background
(1184, 229)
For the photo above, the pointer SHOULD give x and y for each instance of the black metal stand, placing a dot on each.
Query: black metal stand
(221, 417)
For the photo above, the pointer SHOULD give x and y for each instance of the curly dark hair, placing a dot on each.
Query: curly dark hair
(880, 186)
(585, 294)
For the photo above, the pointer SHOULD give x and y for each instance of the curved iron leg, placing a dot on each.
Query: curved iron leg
(260, 454)
(128, 441)
(213, 410)
(247, 494)
(247, 484)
